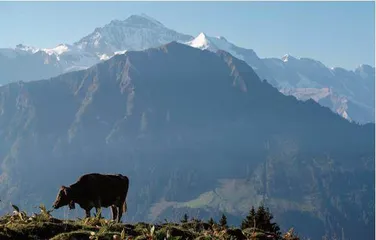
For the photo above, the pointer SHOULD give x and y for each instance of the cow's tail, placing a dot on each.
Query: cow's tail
(125, 207)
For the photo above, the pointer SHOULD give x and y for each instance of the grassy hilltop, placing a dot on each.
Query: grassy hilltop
(19, 225)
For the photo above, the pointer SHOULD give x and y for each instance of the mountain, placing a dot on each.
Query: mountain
(137, 32)
(351, 93)
(351, 96)
(204, 42)
(196, 132)
(26, 63)
(337, 103)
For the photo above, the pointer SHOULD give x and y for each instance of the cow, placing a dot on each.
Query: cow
(96, 190)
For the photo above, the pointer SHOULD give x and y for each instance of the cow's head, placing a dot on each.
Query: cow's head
(63, 198)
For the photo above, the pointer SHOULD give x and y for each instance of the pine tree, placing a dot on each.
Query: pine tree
(223, 221)
(271, 226)
(249, 221)
(260, 218)
(264, 221)
(211, 222)
(185, 218)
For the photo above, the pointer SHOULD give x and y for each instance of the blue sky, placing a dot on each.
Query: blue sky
(336, 33)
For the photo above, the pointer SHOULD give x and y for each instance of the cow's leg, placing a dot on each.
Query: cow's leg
(98, 211)
(122, 208)
(87, 211)
(98, 207)
(119, 215)
(114, 212)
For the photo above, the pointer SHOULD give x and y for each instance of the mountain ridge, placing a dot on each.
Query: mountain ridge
(352, 96)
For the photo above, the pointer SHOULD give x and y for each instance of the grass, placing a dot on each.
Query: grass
(19, 225)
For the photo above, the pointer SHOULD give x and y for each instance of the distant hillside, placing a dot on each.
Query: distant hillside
(196, 132)
(351, 95)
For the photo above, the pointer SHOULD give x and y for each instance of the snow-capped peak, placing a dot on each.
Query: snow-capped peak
(137, 32)
(156, 22)
(58, 50)
(26, 48)
(289, 57)
(285, 58)
(201, 41)
(201, 35)
(205, 42)
(141, 20)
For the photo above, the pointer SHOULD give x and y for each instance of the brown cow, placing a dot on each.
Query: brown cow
(96, 190)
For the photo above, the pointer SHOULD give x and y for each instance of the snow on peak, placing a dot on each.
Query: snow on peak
(288, 57)
(142, 20)
(137, 32)
(58, 50)
(201, 41)
(156, 22)
(221, 38)
(201, 35)
(29, 49)
(205, 42)
(104, 57)
(120, 52)
(285, 58)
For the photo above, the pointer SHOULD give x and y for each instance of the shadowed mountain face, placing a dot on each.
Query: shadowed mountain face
(196, 132)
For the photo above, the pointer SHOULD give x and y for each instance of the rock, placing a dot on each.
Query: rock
(176, 232)
(235, 233)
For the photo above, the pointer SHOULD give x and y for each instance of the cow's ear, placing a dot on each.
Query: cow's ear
(65, 189)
